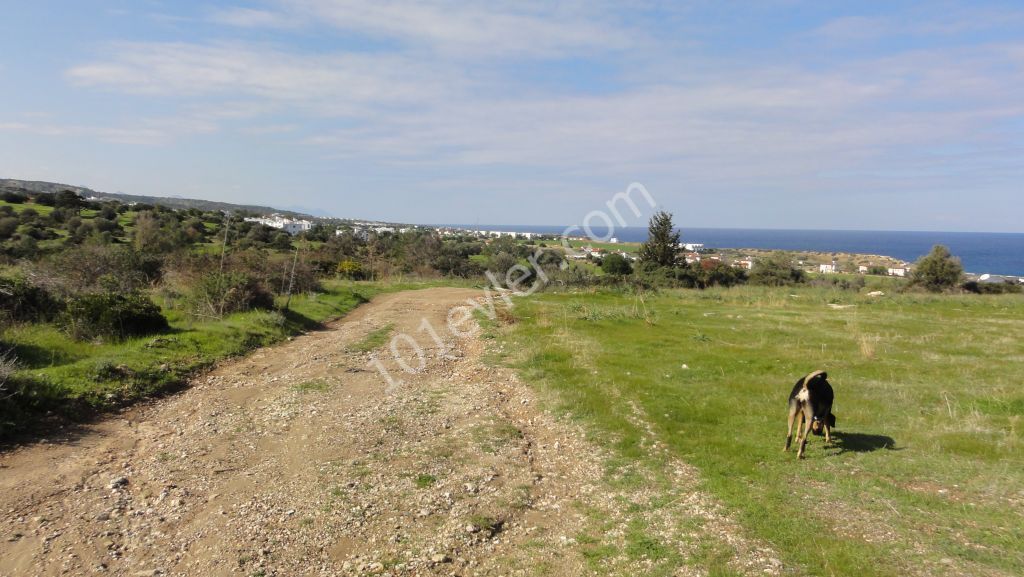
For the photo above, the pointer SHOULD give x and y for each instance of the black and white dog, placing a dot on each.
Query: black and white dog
(811, 399)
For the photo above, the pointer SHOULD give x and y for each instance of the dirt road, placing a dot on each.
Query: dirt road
(297, 460)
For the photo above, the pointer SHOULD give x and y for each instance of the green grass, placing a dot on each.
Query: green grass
(315, 386)
(627, 247)
(40, 208)
(926, 474)
(75, 378)
(375, 339)
(424, 480)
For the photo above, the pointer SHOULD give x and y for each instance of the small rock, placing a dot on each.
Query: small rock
(118, 482)
(440, 558)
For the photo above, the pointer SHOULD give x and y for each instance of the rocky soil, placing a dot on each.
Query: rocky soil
(300, 460)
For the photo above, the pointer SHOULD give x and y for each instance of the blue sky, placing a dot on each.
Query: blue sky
(768, 114)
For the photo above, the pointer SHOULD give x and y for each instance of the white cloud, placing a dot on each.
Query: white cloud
(341, 82)
(253, 18)
(738, 123)
(147, 131)
(927, 22)
(457, 29)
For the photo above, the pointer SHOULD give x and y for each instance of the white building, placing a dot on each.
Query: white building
(899, 271)
(289, 225)
(827, 268)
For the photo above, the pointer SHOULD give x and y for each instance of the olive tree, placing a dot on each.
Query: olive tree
(938, 271)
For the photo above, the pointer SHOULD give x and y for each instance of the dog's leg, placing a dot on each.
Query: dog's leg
(828, 432)
(805, 431)
(793, 410)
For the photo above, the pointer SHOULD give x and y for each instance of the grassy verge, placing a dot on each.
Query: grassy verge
(926, 475)
(374, 339)
(74, 379)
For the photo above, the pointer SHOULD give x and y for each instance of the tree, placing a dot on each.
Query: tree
(68, 199)
(938, 271)
(617, 265)
(662, 245)
(776, 270)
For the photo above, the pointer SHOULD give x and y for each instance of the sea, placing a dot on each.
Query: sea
(980, 252)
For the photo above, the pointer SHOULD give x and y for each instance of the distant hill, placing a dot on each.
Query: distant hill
(172, 202)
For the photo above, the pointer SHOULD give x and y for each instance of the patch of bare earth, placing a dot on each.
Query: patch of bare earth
(298, 460)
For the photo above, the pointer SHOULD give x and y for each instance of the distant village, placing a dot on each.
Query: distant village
(694, 253)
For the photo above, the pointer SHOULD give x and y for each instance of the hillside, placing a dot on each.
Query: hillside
(170, 202)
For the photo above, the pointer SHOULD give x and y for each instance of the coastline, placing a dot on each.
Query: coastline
(981, 253)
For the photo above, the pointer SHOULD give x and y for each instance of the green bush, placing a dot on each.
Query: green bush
(20, 300)
(616, 264)
(217, 294)
(776, 270)
(992, 288)
(717, 273)
(13, 196)
(112, 315)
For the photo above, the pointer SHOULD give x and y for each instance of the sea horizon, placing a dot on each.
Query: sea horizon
(999, 253)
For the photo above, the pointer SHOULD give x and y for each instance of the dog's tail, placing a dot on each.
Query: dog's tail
(804, 394)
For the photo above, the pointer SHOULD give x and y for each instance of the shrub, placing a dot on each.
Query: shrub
(985, 288)
(112, 315)
(217, 294)
(350, 269)
(720, 274)
(20, 300)
(776, 270)
(8, 226)
(13, 196)
(616, 264)
(500, 264)
(44, 199)
(8, 364)
(97, 268)
(841, 283)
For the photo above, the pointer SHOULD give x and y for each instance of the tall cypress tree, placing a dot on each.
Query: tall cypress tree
(662, 245)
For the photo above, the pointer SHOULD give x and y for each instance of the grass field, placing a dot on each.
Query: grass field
(628, 247)
(18, 207)
(926, 476)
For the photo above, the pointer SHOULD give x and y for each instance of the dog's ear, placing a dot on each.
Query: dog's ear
(824, 376)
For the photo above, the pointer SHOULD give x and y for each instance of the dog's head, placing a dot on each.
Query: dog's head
(818, 425)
